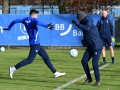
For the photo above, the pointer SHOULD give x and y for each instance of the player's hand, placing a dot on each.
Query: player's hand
(73, 21)
(5, 29)
(50, 26)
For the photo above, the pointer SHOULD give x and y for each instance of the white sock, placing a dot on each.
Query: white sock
(13, 68)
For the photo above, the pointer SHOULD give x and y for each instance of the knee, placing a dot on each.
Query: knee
(110, 47)
(95, 64)
(83, 61)
(29, 61)
(103, 49)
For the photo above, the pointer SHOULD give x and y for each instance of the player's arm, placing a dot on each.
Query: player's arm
(86, 26)
(98, 25)
(12, 23)
(50, 26)
(111, 28)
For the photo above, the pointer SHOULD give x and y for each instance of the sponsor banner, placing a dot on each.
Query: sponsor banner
(64, 34)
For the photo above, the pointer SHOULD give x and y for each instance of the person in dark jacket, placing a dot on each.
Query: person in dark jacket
(94, 46)
(106, 30)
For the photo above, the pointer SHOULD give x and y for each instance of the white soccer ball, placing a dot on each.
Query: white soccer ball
(2, 49)
(73, 53)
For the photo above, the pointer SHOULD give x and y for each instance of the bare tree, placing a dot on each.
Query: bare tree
(61, 6)
(65, 6)
(5, 8)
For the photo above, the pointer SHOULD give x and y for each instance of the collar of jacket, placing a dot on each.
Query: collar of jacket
(104, 18)
(83, 19)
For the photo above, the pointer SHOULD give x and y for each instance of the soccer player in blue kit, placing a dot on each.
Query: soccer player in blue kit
(31, 23)
(94, 46)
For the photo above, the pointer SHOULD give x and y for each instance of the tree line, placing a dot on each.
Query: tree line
(65, 6)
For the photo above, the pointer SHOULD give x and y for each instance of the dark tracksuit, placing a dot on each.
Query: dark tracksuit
(34, 41)
(106, 30)
(94, 46)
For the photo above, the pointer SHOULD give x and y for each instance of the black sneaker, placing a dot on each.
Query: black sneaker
(87, 81)
(113, 61)
(104, 62)
(97, 83)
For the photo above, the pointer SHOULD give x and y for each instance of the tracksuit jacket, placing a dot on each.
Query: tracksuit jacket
(91, 34)
(105, 27)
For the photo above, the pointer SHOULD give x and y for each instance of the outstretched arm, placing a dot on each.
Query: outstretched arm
(40, 24)
(50, 26)
(86, 26)
(12, 23)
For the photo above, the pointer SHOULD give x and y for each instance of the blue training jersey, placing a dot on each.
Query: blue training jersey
(31, 27)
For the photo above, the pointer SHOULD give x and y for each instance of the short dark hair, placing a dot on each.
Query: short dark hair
(33, 11)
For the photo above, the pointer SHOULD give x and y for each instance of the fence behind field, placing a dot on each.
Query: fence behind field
(117, 28)
(64, 34)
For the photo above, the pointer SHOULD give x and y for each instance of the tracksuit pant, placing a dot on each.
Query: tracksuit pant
(34, 50)
(95, 55)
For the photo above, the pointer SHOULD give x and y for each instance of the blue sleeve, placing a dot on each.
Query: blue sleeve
(111, 28)
(14, 22)
(87, 26)
(98, 24)
(40, 23)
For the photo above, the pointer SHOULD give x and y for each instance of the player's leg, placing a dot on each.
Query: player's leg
(103, 55)
(103, 50)
(86, 57)
(47, 61)
(112, 54)
(31, 56)
(111, 51)
(109, 43)
(95, 60)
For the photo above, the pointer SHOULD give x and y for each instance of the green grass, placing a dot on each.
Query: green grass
(117, 44)
(37, 76)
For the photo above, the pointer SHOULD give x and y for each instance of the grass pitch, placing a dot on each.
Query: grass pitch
(37, 76)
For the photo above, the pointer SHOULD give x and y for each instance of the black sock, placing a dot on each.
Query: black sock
(103, 58)
(112, 58)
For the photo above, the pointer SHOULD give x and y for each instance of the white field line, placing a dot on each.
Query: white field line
(77, 79)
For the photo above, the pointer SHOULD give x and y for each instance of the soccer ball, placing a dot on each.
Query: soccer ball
(2, 49)
(73, 53)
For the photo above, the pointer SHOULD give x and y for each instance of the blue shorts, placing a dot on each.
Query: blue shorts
(107, 41)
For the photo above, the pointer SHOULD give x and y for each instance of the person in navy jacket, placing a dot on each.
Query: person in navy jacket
(31, 24)
(106, 30)
(93, 43)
